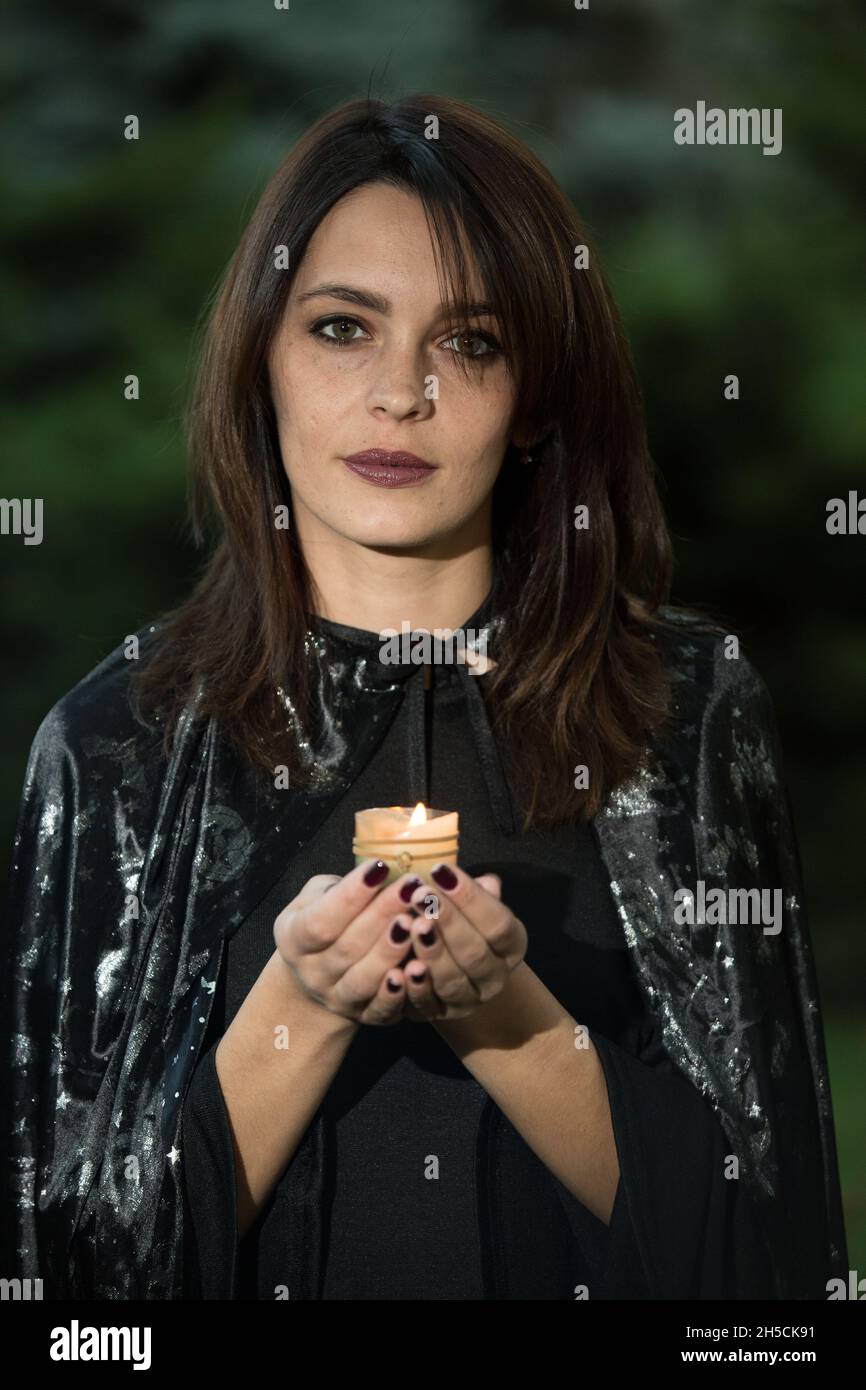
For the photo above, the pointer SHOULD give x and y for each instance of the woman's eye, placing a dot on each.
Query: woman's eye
(339, 322)
(489, 345)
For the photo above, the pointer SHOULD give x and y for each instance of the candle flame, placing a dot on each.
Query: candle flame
(419, 814)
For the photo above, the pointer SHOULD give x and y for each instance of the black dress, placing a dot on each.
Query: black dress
(413, 1196)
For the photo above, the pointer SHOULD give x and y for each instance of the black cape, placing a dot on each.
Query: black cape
(131, 870)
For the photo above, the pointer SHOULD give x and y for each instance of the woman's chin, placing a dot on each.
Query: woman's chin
(391, 542)
(387, 533)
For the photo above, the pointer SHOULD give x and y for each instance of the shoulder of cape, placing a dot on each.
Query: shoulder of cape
(709, 667)
(96, 722)
(87, 808)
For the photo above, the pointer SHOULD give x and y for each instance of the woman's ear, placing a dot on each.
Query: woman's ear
(532, 439)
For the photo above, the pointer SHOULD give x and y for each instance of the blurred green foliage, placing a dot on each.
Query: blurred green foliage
(723, 260)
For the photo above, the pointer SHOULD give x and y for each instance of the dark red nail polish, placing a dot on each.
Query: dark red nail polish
(427, 937)
(444, 876)
(409, 888)
(376, 873)
(399, 933)
(392, 986)
(419, 978)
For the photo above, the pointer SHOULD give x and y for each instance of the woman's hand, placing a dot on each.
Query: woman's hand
(336, 936)
(468, 948)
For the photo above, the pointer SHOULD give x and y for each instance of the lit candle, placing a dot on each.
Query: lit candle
(409, 841)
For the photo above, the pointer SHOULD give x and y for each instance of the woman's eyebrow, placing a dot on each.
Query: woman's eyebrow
(367, 299)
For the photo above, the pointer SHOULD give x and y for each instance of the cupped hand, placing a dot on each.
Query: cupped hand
(336, 936)
(467, 942)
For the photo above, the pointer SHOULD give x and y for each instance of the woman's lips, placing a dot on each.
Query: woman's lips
(389, 467)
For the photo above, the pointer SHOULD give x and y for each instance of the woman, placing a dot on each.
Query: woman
(242, 1067)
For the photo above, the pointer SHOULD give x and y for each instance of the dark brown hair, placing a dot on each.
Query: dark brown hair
(579, 678)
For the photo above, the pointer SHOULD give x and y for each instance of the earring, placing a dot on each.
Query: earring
(527, 457)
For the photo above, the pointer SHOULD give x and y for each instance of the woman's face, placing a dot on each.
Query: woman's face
(363, 381)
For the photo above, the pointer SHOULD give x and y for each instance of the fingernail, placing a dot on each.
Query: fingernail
(417, 978)
(444, 876)
(409, 888)
(399, 933)
(376, 873)
(427, 937)
(394, 988)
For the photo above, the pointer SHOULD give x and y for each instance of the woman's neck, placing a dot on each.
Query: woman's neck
(376, 590)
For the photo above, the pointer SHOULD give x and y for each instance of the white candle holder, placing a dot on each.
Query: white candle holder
(384, 832)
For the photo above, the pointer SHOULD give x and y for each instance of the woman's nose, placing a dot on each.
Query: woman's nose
(402, 385)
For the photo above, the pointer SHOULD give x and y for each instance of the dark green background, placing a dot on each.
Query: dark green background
(723, 260)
